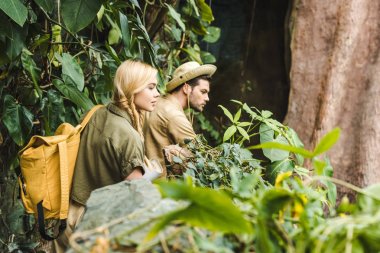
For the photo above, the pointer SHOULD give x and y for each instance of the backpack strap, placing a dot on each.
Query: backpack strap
(89, 115)
(41, 224)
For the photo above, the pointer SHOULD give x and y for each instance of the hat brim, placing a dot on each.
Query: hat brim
(207, 69)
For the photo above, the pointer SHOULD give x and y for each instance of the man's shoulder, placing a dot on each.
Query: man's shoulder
(167, 108)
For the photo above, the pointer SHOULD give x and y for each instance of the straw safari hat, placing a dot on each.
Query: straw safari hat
(188, 71)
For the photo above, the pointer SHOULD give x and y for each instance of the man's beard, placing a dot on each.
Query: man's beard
(195, 108)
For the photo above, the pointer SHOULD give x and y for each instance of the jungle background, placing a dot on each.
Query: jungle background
(311, 65)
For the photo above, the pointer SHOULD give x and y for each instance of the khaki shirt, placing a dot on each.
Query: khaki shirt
(165, 126)
(110, 149)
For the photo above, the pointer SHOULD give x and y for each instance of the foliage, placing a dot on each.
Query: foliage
(59, 59)
(295, 211)
(244, 212)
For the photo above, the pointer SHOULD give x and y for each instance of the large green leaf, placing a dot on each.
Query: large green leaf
(207, 57)
(276, 145)
(73, 94)
(77, 14)
(53, 111)
(72, 72)
(47, 5)
(17, 119)
(208, 208)
(243, 133)
(4, 25)
(125, 35)
(227, 113)
(30, 66)
(213, 34)
(206, 12)
(15, 10)
(229, 133)
(16, 40)
(176, 16)
(267, 135)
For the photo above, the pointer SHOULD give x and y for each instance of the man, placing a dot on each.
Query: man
(168, 124)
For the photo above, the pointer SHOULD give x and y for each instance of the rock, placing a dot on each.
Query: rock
(122, 213)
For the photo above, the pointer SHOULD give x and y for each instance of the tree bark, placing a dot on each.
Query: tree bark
(335, 82)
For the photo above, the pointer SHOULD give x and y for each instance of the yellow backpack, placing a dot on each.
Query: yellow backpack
(47, 166)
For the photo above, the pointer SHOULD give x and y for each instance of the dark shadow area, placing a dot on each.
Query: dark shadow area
(250, 56)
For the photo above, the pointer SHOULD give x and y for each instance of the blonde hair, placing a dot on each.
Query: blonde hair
(131, 78)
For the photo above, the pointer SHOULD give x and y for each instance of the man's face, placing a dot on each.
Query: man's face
(199, 95)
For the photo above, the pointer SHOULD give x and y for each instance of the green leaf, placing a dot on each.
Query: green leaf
(72, 72)
(237, 116)
(246, 186)
(275, 145)
(208, 208)
(17, 119)
(175, 32)
(73, 94)
(213, 34)
(273, 200)
(366, 202)
(114, 36)
(205, 10)
(30, 66)
(53, 111)
(135, 3)
(296, 142)
(16, 40)
(27, 95)
(244, 124)
(243, 132)
(113, 54)
(229, 133)
(47, 5)
(195, 7)
(176, 16)
(125, 35)
(77, 14)
(248, 110)
(266, 114)
(161, 224)
(277, 154)
(207, 57)
(280, 167)
(15, 10)
(227, 113)
(266, 133)
(192, 53)
(327, 142)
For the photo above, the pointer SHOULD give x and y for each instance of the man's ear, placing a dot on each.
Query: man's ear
(186, 88)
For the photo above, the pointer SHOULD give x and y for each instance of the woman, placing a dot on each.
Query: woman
(112, 148)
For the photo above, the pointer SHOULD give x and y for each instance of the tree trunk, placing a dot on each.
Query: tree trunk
(335, 82)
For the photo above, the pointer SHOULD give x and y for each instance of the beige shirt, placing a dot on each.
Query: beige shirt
(166, 125)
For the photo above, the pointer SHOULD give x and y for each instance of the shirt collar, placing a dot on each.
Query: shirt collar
(118, 111)
(174, 100)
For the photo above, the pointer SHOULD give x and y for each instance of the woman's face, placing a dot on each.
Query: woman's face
(147, 98)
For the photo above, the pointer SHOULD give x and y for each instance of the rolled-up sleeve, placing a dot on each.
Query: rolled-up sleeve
(180, 128)
(132, 157)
